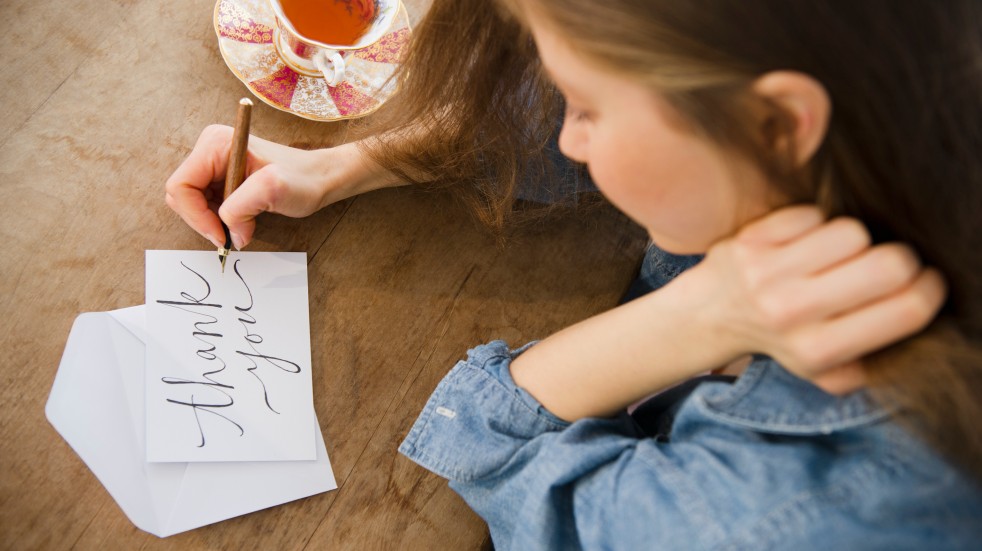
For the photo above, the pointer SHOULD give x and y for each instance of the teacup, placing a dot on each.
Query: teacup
(312, 57)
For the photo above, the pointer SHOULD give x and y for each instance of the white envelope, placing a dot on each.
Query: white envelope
(97, 405)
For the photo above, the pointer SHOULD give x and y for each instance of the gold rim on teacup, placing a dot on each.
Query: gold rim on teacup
(317, 59)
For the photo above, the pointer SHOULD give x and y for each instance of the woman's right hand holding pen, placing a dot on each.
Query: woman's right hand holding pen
(280, 179)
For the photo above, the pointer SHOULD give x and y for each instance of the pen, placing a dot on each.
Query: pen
(235, 172)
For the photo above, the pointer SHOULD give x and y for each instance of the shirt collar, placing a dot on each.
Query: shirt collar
(768, 398)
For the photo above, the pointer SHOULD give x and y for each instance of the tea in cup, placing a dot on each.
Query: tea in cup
(314, 36)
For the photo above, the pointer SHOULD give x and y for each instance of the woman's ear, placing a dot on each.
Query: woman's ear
(805, 100)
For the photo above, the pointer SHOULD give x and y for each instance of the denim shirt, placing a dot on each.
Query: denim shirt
(768, 462)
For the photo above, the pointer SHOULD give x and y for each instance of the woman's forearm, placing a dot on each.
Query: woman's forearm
(599, 366)
(348, 171)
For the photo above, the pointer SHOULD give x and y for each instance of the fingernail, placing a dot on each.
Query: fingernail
(219, 243)
(237, 241)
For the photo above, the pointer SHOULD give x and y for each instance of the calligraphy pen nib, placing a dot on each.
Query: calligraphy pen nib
(223, 252)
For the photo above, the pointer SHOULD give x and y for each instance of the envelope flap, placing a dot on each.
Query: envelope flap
(134, 319)
(128, 336)
(86, 406)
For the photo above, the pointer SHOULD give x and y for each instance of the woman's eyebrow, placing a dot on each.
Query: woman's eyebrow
(564, 87)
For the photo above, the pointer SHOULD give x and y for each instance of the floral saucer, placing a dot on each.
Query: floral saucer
(246, 37)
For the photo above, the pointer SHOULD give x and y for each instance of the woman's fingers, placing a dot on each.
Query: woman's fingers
(872, 326)
(194, 210)
(239, 210)
(187, 187)
(782, 225)
(867, 277)
(269, 189)
(821, 248)
(817, 296)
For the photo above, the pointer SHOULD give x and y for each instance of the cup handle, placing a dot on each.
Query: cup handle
(331, 64)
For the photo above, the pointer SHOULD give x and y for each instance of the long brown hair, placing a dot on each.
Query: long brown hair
(472, 106)
(903, 151)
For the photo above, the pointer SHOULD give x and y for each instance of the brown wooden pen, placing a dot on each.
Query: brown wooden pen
(235, 172)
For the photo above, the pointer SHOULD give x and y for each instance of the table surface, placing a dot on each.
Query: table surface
(101, 102)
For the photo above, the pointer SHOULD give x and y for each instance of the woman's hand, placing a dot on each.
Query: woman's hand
(814, 294)
(279, 179)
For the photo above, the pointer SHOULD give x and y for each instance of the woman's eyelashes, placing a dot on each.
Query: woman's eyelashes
(577, 115)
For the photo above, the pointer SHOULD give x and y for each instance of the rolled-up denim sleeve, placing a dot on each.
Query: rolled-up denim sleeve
(477, 418)
(542, 483)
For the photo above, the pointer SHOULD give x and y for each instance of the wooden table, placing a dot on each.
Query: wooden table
(101, 101)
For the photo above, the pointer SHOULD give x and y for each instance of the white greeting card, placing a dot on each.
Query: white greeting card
(228, 357)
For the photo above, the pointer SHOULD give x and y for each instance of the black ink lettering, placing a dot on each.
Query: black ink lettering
(252, 339)
(202, 334)
(197, 406)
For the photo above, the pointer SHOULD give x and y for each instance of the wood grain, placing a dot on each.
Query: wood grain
(44, 44)
(402, 282)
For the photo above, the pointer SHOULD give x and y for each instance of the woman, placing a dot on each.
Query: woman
(707, 122)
